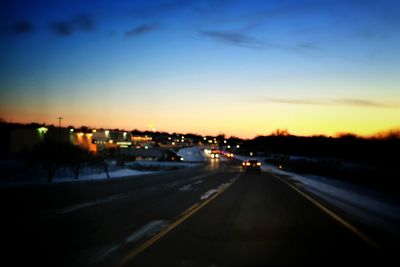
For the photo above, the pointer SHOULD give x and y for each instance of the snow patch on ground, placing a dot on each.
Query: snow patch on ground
(209, 193)
(216, 190)
(192, 154)
(146, 231)
(101, 176)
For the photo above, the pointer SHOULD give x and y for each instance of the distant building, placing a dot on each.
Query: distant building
(26, 138)
(111, 139)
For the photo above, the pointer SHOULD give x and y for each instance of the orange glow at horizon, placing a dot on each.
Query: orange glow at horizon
(247, 122)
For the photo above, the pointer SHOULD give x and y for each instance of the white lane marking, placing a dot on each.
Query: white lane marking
(120, 196)
(187, 187)
(92, 203)
(197, 177)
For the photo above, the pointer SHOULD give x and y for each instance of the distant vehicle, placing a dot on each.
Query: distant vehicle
(229, 155)
(251, 165)
(214, 155)
(171, 155)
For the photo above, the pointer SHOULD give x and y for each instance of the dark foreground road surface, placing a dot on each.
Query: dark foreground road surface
(213, 215)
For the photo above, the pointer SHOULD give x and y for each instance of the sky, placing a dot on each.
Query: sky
(242, 68)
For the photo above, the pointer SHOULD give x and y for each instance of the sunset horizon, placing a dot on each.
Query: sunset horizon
(242, 68)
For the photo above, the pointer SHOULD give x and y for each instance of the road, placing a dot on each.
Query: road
(213, 215)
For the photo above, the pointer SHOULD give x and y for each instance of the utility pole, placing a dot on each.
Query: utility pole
(59, 128)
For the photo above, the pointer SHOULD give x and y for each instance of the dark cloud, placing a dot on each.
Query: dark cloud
(329, 102)
(142, 29)
(22, 27)
(233, 38)
(362, 102)
(240, 38)
(83, 23)
(292, 101)
(61, 28)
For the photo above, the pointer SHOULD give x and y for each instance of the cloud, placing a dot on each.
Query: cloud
(83, 23)
(292, 101)
(233, 38)
(22, 27)
(240, 38)
(364, 103)
(142, 29)
(329, 102)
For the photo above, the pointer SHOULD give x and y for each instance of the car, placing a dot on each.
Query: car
(214, 155)
(251, 165)
(229, 155)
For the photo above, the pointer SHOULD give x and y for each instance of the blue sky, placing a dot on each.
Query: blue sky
(239, 67)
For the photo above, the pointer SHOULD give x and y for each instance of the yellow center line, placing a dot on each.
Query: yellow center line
(187, 214)
(335, 216)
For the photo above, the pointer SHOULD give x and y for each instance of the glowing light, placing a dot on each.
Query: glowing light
(71, 130)
(141, 138)
(42, 130)
(124, 143)
(94, 130)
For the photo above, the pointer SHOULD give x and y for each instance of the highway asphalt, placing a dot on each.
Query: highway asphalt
(213, 215)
